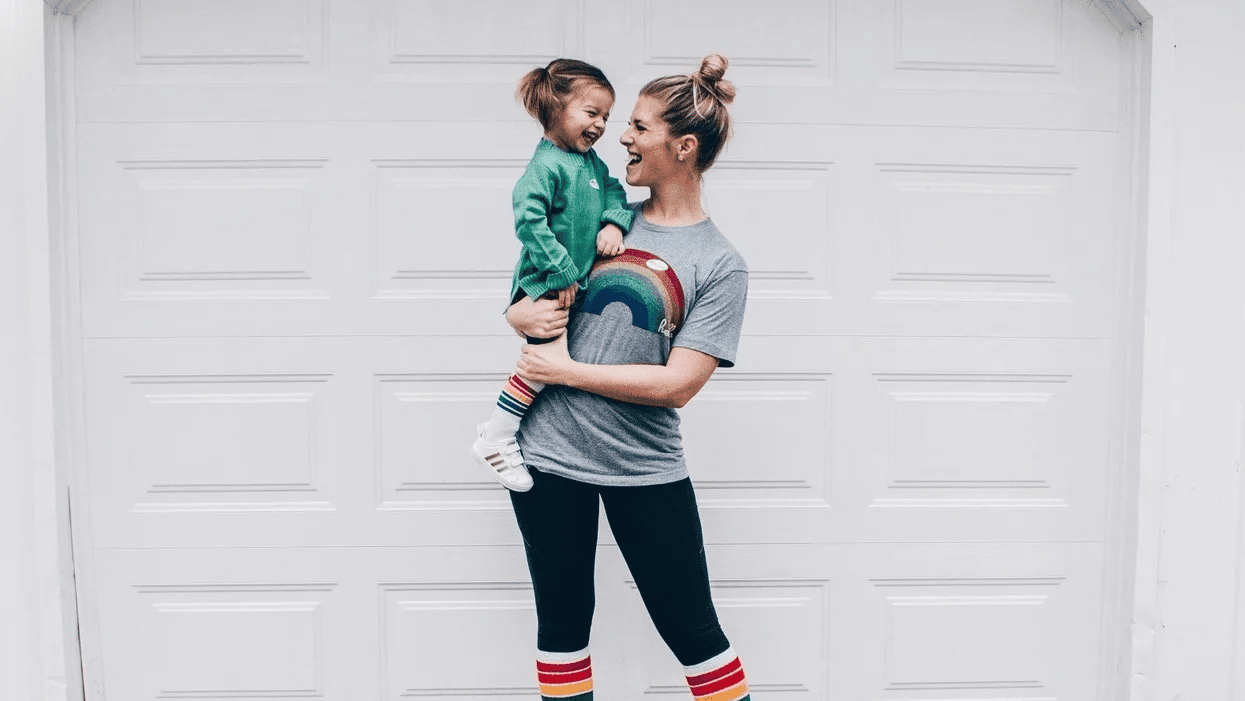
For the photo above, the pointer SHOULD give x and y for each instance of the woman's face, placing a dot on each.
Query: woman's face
(648, 144)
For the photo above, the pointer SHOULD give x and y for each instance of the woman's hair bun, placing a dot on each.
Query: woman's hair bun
(712, 68)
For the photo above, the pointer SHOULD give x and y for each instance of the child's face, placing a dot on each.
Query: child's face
(582, 121)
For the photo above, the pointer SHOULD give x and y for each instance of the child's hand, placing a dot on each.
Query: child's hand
(566, 295)
(609, 240)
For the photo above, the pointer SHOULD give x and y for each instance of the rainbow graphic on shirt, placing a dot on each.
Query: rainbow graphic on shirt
(642, 281)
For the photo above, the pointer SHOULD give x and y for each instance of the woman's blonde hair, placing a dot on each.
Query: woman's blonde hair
(544, 91)
(696, 104)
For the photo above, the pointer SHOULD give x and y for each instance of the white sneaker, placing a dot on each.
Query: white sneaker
(503, 461)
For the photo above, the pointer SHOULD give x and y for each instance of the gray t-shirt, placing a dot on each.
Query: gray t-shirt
(681, 286)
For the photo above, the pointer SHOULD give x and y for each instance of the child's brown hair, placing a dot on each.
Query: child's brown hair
(543, 91)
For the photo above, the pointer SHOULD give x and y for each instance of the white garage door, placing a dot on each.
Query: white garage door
(294, 244)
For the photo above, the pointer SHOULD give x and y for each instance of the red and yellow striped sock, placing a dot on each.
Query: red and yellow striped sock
(566, 676)
(720, 678)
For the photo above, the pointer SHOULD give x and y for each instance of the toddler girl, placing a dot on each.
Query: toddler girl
(567, 209)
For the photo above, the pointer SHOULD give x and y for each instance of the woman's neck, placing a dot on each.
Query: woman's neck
(674, 203)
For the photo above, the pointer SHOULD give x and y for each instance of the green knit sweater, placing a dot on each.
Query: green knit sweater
(560, 203)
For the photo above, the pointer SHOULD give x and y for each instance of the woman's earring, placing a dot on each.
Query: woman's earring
(680, 157)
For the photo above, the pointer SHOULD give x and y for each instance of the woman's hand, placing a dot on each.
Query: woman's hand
(538, 318)
(548, 363)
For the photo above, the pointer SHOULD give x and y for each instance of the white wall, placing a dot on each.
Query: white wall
(1187, 641)
(34, 598)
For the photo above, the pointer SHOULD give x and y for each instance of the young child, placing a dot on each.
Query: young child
(567, 209)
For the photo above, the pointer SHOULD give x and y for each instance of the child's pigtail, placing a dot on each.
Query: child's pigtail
(536, 92)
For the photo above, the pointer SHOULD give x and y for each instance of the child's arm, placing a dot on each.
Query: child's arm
(532, 199)
(610, 240)
(616, 210)
(615, 220)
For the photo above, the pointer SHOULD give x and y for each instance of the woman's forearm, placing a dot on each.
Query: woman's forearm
(654, 385)
(670, 385)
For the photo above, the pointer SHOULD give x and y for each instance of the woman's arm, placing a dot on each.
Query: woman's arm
(538, 318)
(670, 385)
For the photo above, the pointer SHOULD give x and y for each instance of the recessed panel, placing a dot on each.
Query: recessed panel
(430, 39)
(425, 424)
(986, 231)
(789, 38)
(445, 228)
(972, 431)
(778, 429)
(984, 35)
(218, 228)
(227, 31)
(428, 631)
(228, 641)
(219, 436)
(777, 627)
(779, 217)
(968, 635)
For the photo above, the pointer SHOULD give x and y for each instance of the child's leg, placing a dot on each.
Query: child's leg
(658, 532)
(512, 404)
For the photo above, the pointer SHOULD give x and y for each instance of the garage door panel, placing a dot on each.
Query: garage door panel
(248, 230)
(305, 441)
(811, 439)
(789, 41)
(295, 243)
(814, 622)
(999, 622)
(440, 638)
(438, 42)
(224, 42)
(917, 440)
(1049, 64)
(779, 628)
(922, 231)
(422, 419)
(324, 622)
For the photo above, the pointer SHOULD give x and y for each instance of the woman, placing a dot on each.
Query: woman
(650, 328)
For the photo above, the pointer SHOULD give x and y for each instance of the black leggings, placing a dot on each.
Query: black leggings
(658, 531)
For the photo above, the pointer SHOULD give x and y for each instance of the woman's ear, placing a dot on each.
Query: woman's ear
(685, 147)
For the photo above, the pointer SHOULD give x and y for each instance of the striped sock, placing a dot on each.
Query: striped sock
(512, 404)
(566, 676)
(720, 678)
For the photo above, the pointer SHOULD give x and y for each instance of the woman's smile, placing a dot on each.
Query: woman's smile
(645, 140)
